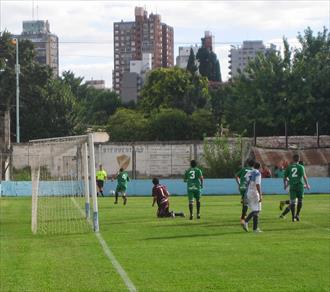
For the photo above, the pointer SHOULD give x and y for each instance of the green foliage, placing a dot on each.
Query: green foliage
(174, 88)
(209, 65)
(7, 67)
(94, 106)
(202, 124)
(22, 174)
(170, 124)
(191, 65)
(222, 159)
(274, 89)
(47, 107)
(128, 125)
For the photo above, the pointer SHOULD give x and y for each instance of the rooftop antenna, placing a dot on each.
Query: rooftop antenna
(0, 16)
(37, 11)
(32, 9)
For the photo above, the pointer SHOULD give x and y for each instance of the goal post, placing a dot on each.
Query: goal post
(93, 184)
(63, 180)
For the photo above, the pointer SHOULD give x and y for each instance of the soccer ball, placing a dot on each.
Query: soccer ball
(112, 193)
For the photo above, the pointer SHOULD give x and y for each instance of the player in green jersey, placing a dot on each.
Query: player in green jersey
(295, 177)
(194, 179)
(286, 202)
(242, 186)
(122, 181)
(101, 176)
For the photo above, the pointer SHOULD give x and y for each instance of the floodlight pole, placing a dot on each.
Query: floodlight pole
(17, 69)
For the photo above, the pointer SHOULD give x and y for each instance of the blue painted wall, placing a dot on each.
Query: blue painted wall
(319, 185)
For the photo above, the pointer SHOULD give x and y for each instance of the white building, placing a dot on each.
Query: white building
(183, 57)
(241, 56)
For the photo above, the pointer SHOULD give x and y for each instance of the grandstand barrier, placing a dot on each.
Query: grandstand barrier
(142, 187)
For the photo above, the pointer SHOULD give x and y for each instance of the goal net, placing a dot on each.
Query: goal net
(63, 181)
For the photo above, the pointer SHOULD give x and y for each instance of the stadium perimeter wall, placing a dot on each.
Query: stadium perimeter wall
(320, 185)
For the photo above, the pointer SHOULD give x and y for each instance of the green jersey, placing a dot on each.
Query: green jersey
(122, 179)
(193, 178)
(241, 174)
(295, 173)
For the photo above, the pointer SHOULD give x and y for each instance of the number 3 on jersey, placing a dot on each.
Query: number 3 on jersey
(192, 174)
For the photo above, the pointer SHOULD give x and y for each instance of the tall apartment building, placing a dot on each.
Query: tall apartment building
(208, 40)
(239, 57)
(183, 57)
(144, 35)
(46, 43)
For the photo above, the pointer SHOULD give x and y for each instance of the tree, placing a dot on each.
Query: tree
(209, 65)
(174, 88)
(128, 125)
(7, 66)
(191, 65)
(170, 124)
(222, 159)
(310, 88)
(293, 88)
(47, 107)
(98, 106)
(203, 124)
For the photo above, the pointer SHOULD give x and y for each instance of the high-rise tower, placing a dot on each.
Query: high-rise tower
(145, 35)
(46, 43)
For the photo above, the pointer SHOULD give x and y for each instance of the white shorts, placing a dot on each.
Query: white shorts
(253, 201)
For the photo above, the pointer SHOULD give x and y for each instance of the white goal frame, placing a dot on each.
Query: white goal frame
(88, 153)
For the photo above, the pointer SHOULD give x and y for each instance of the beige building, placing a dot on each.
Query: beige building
(97, 84)
(46, 43)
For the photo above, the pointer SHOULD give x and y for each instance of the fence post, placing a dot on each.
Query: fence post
(254, 134)
(133, 161)
(286, 135)
(318, 134)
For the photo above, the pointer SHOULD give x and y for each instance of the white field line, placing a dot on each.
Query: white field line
(106, 249)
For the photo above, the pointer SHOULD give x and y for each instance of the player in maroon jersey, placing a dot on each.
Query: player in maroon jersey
(161, 196)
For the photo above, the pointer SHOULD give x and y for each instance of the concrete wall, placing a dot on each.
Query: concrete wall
(145, 159)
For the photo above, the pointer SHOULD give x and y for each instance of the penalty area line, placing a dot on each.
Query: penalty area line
(107, 251)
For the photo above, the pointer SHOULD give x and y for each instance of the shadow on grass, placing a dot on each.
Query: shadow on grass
(193, 235)
(239, 231)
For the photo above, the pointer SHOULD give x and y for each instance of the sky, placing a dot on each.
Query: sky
(85, 28)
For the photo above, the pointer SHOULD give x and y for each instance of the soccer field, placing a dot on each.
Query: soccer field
(210, 254)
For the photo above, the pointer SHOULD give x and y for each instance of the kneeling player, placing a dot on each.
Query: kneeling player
(161, 196)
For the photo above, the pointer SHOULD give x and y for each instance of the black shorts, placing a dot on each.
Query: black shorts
(100, 183)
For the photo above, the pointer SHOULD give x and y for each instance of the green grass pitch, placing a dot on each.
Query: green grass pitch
(210, 254)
